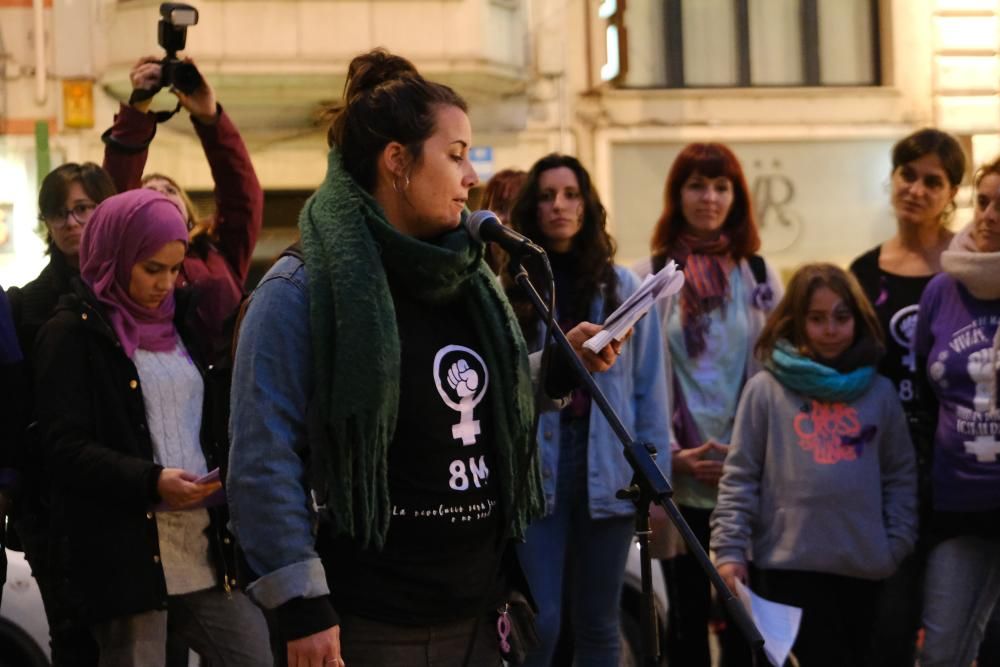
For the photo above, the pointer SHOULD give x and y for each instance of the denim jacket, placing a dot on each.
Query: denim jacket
(271, 509)
(636, 387)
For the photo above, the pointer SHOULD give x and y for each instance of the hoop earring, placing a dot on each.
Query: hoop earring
(395, 184)
(946, 215)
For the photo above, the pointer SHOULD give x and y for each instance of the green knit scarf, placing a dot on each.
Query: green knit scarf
(349, 246)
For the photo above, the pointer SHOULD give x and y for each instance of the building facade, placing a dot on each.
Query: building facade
(811, 94)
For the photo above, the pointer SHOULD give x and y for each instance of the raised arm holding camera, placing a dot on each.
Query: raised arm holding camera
(220, 249)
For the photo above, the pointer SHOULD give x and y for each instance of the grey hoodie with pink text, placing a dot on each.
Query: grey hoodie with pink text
(817, 486)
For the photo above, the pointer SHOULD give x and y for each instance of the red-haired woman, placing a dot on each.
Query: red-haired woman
(498, 196)
(710, 328)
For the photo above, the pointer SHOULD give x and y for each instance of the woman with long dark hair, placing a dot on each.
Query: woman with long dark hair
(709, 329)
(576, 553)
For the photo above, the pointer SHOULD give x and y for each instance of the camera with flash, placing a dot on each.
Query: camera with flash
(175, 19)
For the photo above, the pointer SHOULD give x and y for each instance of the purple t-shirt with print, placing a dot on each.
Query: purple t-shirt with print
(955, 333)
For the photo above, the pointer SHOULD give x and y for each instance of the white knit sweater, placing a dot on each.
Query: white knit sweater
(173, 393)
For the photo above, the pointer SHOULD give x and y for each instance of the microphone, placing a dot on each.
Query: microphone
(486, 227)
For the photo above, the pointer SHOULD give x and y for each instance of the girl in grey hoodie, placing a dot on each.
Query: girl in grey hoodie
(818, 490)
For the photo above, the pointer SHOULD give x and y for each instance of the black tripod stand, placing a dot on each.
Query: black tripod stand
(648, 485)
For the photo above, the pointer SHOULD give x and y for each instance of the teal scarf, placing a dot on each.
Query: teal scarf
(815, 380)
(349, 247)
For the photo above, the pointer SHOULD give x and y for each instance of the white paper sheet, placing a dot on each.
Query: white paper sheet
(778, 623)
(662, 284)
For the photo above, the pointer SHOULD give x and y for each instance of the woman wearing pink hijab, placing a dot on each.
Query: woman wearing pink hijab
(123, 416)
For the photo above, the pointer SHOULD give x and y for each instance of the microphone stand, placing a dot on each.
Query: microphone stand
(648, 485)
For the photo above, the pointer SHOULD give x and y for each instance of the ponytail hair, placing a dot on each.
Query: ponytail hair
(385, 100)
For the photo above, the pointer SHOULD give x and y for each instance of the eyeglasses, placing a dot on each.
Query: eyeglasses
(81, 213)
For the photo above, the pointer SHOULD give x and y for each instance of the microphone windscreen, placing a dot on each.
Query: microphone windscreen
(475, 221)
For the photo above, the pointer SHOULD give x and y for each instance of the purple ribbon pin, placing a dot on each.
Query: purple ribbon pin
(859, 441)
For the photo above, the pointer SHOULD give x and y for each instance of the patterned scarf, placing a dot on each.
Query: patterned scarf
(706, 284)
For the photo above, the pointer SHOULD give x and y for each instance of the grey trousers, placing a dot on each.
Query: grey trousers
(227, 630)
(366, 643)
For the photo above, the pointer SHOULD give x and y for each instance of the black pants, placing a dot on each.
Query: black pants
(838, 614)
(897, 614)
(366, 643)
(690, 595)
(69, 638)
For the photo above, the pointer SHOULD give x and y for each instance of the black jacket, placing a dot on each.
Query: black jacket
(32, 305)
(99, 460)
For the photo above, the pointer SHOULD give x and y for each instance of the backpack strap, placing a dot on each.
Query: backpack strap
(758, 268)
(294, 250)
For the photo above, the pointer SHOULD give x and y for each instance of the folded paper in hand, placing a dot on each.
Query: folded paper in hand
(659, 285)
(778, 623)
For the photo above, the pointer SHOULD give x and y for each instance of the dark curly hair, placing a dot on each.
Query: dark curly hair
(592, 248)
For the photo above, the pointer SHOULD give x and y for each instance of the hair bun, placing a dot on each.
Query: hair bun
(370, 70)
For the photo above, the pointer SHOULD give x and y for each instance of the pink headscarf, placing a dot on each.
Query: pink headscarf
(127, 229)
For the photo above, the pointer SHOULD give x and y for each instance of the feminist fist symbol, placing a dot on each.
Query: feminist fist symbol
(463, 379)
(982, 368)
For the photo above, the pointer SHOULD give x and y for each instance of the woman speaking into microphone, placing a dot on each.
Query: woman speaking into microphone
(382, 449)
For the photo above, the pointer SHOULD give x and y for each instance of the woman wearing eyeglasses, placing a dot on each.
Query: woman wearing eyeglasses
(66, 202)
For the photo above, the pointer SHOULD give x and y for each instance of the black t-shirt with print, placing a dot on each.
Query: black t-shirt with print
(896, 300)
(439, 562)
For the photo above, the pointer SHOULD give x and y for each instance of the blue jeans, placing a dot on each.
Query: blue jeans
(961, 589)
(590, 553)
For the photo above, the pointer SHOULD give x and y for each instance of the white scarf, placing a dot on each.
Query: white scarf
(978, 271)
